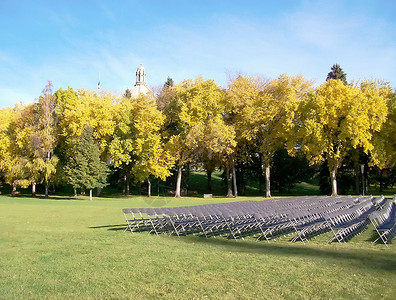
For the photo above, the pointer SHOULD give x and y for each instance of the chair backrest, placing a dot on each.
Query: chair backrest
(126, 210)
(150, 211)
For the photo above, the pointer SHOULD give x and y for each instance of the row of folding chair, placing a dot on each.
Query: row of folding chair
(384, 221)
(302, 216)
(320, 218)
(186, 220)
(347, 223)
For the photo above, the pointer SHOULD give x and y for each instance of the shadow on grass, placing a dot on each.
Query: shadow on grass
(42, 197)
(58, 198)
(360, 258)
(110, 227)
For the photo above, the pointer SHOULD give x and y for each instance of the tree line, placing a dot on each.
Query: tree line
(80, 137)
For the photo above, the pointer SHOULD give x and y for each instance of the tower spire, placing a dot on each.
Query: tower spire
(140, 86)
(140, 76)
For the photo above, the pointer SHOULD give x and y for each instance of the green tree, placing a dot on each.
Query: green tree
(169, 82)
(84, 107)
(337, 73)
(282, 163)
(127, 94)
(84, 168)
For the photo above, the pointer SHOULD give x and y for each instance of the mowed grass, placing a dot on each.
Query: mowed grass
(66, 248)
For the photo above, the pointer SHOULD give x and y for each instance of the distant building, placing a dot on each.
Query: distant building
(140, 86)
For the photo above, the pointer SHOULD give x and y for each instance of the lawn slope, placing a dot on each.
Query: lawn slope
(65, 248)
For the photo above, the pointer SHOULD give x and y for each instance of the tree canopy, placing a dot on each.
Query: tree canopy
(76, 136)
(338, 118)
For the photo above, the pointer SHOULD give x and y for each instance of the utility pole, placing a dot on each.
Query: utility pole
(99, 83)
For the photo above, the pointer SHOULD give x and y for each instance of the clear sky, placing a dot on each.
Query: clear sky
(72, 42)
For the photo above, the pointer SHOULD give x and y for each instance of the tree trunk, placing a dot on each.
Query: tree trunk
(261, 174)
(229, 183)
(333, 179)
(75, 191)
(267, 182)
(46, 190)
(178, 182)
(14, 190)
(90, 194)
(209, 175)
(125, 188)
(357, 178)
(148, 187)
(234, 180)
(99, 191)
(33, 189)
(381, 181)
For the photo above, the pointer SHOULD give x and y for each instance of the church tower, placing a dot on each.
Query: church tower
(140, 86)
(140, 76)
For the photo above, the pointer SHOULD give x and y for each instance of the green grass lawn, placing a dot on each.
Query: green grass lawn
(65, 248)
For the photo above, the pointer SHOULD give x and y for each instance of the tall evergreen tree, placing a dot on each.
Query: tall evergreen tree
(169, 82)
(84, 168)
(337, 73)
(127, 94)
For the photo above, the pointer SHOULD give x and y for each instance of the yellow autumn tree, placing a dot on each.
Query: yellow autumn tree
(151, 157)
(338, 118)
(7, 116)
(383, 153)
(122, 143)
(19, 132)
(32, 138)
(194, 113)
(137, 146)
(246, 109)
(264, 112)
(213, 138)
(77, 109)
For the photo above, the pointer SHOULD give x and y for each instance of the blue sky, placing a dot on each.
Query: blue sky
(72, 42)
